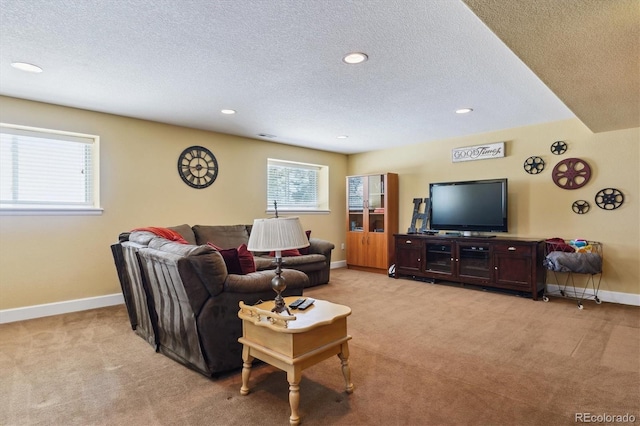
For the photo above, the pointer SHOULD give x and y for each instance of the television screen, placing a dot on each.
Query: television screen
(479, 205)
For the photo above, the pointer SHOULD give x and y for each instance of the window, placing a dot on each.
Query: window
(48, 171)
(297, 186)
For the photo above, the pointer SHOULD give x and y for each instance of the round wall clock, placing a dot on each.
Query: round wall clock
(198, 167)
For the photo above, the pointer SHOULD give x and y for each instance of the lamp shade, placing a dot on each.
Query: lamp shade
(277, 234)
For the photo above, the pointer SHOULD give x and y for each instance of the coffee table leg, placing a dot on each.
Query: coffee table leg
(293, 377)
(246, 370)
(346, 371)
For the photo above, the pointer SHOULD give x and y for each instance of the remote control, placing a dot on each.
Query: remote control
(306, 304)
(297, 303)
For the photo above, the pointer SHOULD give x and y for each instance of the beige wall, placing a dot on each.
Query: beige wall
(45, 259)
(537, 207)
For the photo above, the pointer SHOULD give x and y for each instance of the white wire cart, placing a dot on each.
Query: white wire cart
(583, 265)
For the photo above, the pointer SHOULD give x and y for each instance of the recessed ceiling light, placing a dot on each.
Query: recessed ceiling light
(23, 66)
(355, 58)
(342, 137)
(463, 110)
(228, 111)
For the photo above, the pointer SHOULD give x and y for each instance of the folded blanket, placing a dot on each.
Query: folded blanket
(164, 233)
(582, 263)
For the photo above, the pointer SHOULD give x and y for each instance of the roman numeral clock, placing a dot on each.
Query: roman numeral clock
(198, 167)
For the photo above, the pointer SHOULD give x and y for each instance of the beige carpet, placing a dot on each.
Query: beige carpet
(421, 354)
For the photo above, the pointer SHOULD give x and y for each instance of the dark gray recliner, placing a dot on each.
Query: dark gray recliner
(193, 301)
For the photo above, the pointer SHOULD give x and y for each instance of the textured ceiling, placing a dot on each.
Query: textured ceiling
(586, 51)
(278, 64)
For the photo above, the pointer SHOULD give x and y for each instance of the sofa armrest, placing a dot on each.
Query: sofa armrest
(260, 281)
(318, 246)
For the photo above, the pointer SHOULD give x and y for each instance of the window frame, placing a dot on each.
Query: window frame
(93, 141)
(322, 188)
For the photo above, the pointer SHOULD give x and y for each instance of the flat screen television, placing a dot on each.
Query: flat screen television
(469, 206)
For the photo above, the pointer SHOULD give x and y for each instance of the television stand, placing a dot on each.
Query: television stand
(488, 261)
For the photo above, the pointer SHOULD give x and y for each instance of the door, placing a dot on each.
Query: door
(438, 262)
(408, 256)
(512, 266)
(474, 263)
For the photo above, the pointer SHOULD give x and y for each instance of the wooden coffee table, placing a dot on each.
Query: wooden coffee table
(316, 334)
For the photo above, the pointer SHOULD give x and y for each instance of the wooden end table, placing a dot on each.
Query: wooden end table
(292, 345)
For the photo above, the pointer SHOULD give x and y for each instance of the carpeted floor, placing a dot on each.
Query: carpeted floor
(421, 354)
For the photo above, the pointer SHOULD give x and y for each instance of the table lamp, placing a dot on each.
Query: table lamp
(277, 234)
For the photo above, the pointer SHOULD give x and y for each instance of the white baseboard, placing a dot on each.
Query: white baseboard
(38, 311)
(603, 295)
(339, 264)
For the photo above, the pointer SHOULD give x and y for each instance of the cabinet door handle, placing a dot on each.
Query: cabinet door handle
(511, 249)
(408, 242)
(495, 267)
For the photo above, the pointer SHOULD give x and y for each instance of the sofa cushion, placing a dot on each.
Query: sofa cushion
(186, 232)
(224, 236)
(305, 250)
(207, 263)
(304, 263)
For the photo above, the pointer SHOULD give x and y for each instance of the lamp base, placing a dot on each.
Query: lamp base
(280, 306)
(278, 285)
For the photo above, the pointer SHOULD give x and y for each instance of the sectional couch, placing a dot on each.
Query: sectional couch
(183, 301)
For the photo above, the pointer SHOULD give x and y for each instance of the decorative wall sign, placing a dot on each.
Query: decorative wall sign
(534, 165)
(609, 199)
(478, 152)
(580, 206)
(571, 173)
(559, 147)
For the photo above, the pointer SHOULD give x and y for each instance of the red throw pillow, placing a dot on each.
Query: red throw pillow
(286, 253)
(247, 264)
(239, 261)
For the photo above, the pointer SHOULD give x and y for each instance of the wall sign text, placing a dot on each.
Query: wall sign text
(478, 152)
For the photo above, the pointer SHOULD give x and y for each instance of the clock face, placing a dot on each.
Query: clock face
(197, 167)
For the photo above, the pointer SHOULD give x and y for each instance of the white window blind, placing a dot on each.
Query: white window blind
(47, 169)
(295, 186)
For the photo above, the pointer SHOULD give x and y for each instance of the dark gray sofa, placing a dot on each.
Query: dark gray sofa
(316, 264)
(181, 299)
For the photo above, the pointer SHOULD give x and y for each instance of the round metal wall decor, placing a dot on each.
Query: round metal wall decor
(609, 199)
(559, 147)
(571, 173)
(534, 165)
(580, 206)
(198, 167)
